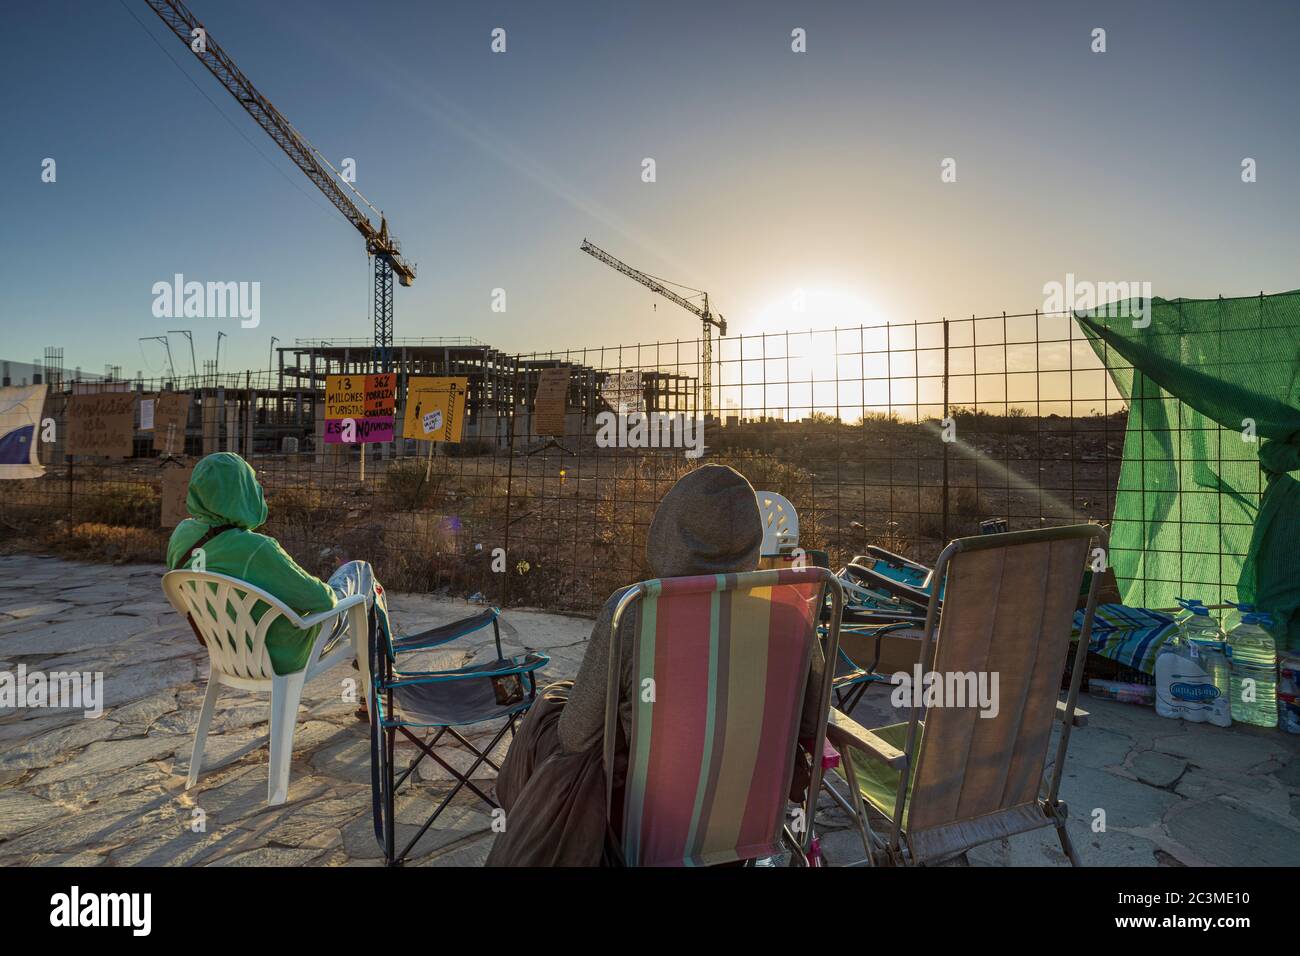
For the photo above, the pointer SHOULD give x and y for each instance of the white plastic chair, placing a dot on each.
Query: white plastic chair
(237, 651)
(780, 523)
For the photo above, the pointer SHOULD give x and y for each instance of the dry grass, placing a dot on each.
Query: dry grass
(434, 524)
(119, 545)
(132, 504)
(575, 525)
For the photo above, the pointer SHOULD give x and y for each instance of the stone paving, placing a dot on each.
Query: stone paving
(110, 790)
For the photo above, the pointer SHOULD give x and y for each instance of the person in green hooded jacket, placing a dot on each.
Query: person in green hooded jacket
(226, 506)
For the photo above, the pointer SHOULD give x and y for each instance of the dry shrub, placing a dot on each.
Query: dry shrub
(298, 504)
(770, 473)
(91, 541)
(132, 504)
(308, 523)
(414, 551)
(891, 539)
(963, 500)
(963, 511)
(413, 484)
(472, 448)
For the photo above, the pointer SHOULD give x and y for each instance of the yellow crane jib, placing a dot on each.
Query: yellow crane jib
(709, 319)
(387, 251)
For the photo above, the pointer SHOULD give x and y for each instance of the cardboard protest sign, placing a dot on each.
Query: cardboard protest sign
(101, 423)
(171, 413)
(20, 418)
(435, 408)
(175, 486)
(551, 401)
(360, 408)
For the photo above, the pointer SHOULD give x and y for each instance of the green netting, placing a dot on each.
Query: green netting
(1205, 508)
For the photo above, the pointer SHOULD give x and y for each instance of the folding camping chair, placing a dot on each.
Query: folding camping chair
(408, 702)
(959, 779)
(720, 664)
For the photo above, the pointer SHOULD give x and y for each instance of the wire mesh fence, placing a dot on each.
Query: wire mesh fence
(902, 436)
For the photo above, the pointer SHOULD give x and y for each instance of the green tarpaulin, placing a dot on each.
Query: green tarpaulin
(1205, 508)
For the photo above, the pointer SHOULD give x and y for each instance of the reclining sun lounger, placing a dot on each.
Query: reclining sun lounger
(894, 575)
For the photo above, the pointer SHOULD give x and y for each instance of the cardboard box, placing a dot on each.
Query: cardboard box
(898, 649)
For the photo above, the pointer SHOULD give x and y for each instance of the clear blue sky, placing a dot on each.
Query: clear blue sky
(776, 170)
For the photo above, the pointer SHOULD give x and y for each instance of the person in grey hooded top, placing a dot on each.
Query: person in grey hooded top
(552, 784)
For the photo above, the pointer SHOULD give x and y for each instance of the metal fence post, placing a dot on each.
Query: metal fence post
(510, 474)
(945, 443)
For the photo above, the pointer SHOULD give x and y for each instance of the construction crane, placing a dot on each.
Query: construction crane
(702, 310)
(385, 249)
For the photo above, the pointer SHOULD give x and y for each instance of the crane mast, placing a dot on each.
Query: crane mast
(387, 251)
(708, 318)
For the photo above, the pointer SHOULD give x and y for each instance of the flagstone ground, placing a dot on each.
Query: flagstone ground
(110, 790)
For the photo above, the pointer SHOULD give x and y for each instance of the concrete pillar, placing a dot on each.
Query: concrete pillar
(232, 426)
(250, 423)
(211, 422)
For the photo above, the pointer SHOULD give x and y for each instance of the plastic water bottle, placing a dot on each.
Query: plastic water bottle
(1193, 679)
(1196, 624)
(1209, 646)
(1232, 617)
(1215, 660)
(1186, 606)
(1254, 658)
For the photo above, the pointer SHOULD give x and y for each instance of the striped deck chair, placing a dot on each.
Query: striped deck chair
(720, 665)
(960, 777)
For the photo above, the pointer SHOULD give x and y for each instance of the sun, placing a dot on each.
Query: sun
(787, 360)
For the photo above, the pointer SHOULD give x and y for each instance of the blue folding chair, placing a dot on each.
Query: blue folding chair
(894, 576)
(411, 702)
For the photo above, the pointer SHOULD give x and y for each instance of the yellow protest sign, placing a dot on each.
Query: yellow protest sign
(435, 408)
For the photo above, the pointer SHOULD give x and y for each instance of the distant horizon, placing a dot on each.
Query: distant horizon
(883, 369)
